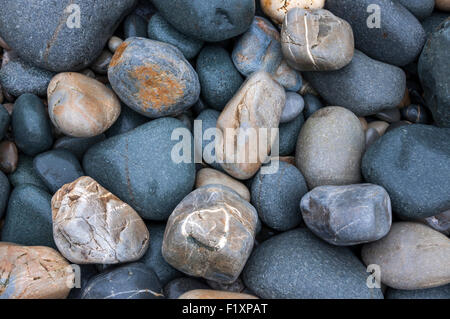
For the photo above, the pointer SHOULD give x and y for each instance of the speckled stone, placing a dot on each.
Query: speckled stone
(134, 26)
(210, 234)
(9, 157)
(411, 256)
(4, 121)
(276, 197)
(293, 107)
(127, 121)
(365, 86)
(212, 21)
(4, 193)
(25, 174)
(77, 145)
(214, 294)
(219, 78)
(411, 163)
(153, 78)
(209, 176)
(130, 281)
(421, 9)
(159, 29)
(289, 134)
(137, 174)
(179, 286)
(297, 265)
(441, 292)
(312, 104)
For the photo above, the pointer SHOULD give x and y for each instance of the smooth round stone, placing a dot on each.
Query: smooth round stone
(31, 126)
(208, 118)
(316, 40)
(219, 78)
(210, 234)
(80, 106)
(411, 163)
(421, 9)
(153, 258)
(365, 86)
(159, 29)
(441, 292)
(399, 38)
(443, 5)
(380, 126)
(153, 78)
(411, 256)
(289, 134)
(113, 43)
(440, 222)
(214, 294)
(371, 136)
(127, 121)
(179, 286)
(389, 115)
(4, 193)
(92, 226)
(209, 176)
(9, 157)
(297, 265)
(293, 107)
(134, 26)
(277, 9)
(289, 78)
(276, 197)
(258, 104)
(18, 77)
(212, 21)
(348, 215)
(434, 73)
(25, 174)
(139, 175)
(4, 121)
(329, 148)
(77, 145)
(56, 46)
(33, 273)
(312, 104)
(130, 281)
(101, 64)
(258, 49)
(416, 113)
(28, 217)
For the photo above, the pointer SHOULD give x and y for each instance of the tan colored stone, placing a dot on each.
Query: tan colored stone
(257, 105)
(209, 176)
(113, 43)
(380, 126)
(443, 5)
(80, 106)
(214, 294)
(277, 9)
(91, 225)
(9, 156)
(33, 273)
(363, 123)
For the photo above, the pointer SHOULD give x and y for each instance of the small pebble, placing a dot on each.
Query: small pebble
(209, 176)
(113, 43)
(9, 157)
(293, 107)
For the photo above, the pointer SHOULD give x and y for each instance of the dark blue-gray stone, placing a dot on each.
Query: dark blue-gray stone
(25, 174)
(57, 168)
(434, 73)
(312, 104)
(4, 121)
(77, 145)
(421, 9)
(432, 22)
(293, 107)
(153, 258)
(179, 286)
(276, 197)
(44, 34)
(365, 86)
(159, 29)
(31, 125)
(442, 292)
(130, 281)
(134, 26)
(128, 120)
(289, 135)
(208, 119)
(212, 20)
(298, 265)
(19, 77)
(4, 192)
(28, 219)
(219, 78)
(400, 37)
(138, 168)
(86, 273)
(413, 164)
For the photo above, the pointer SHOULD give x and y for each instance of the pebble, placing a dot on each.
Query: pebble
(127, 121)
(411, 256)
(80, 106)
(421, 9)
(277, 9)
(33, 273)
(348, 215)
(160, 30)
(441, 292)
(330, 147)
(316, 40)
(214, 294)
(416, 113)
(4, 121)
(210, 21)
(389, 115)
(289, 78)
(443, 5)
(113, 43)
(312, 104)
(139, 175)
(219, 78)
(4, 192)
(371, 136)
(153, 78)
(130, 281)
(380, 126)
(9, 157)
(365, 86)
(134, 26)
(411, 163)
(77, 145)
(297, 265)
(293, 107)
(209, 176)
(179, 286)
(210, 234)
(25, 174)
(440, 222)
(289, 134)
(101, 64)
(276, 197)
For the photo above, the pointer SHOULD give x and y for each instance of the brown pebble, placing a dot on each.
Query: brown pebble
(209, 176)
(287, 159)
(9, 156)
(214, 294)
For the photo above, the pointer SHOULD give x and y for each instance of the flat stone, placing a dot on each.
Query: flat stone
(4, 193)
(9, 157)
(277, 9)
(25, 174)
(77, 145)
(293, 107)
(209, 176)
(179, 286)
(214, 294)
(411, 256)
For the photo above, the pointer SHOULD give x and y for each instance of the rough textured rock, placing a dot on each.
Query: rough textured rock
(316, 40)
(91, 225)
(57, 43)
(179, 286)
(411, 256)
(210, 234)
(412, 164)
(209, 176)
(347, 215)
(214, 294)
(277, 9)
(33, 273)
(4, 193)
(153, 78)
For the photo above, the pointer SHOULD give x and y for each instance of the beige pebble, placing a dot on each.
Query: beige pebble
(214, 294)
(363, 122)
(209, 176)
(92, 226)
(113, 43)
(380, 126)
(80, 106)
(277, 9)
